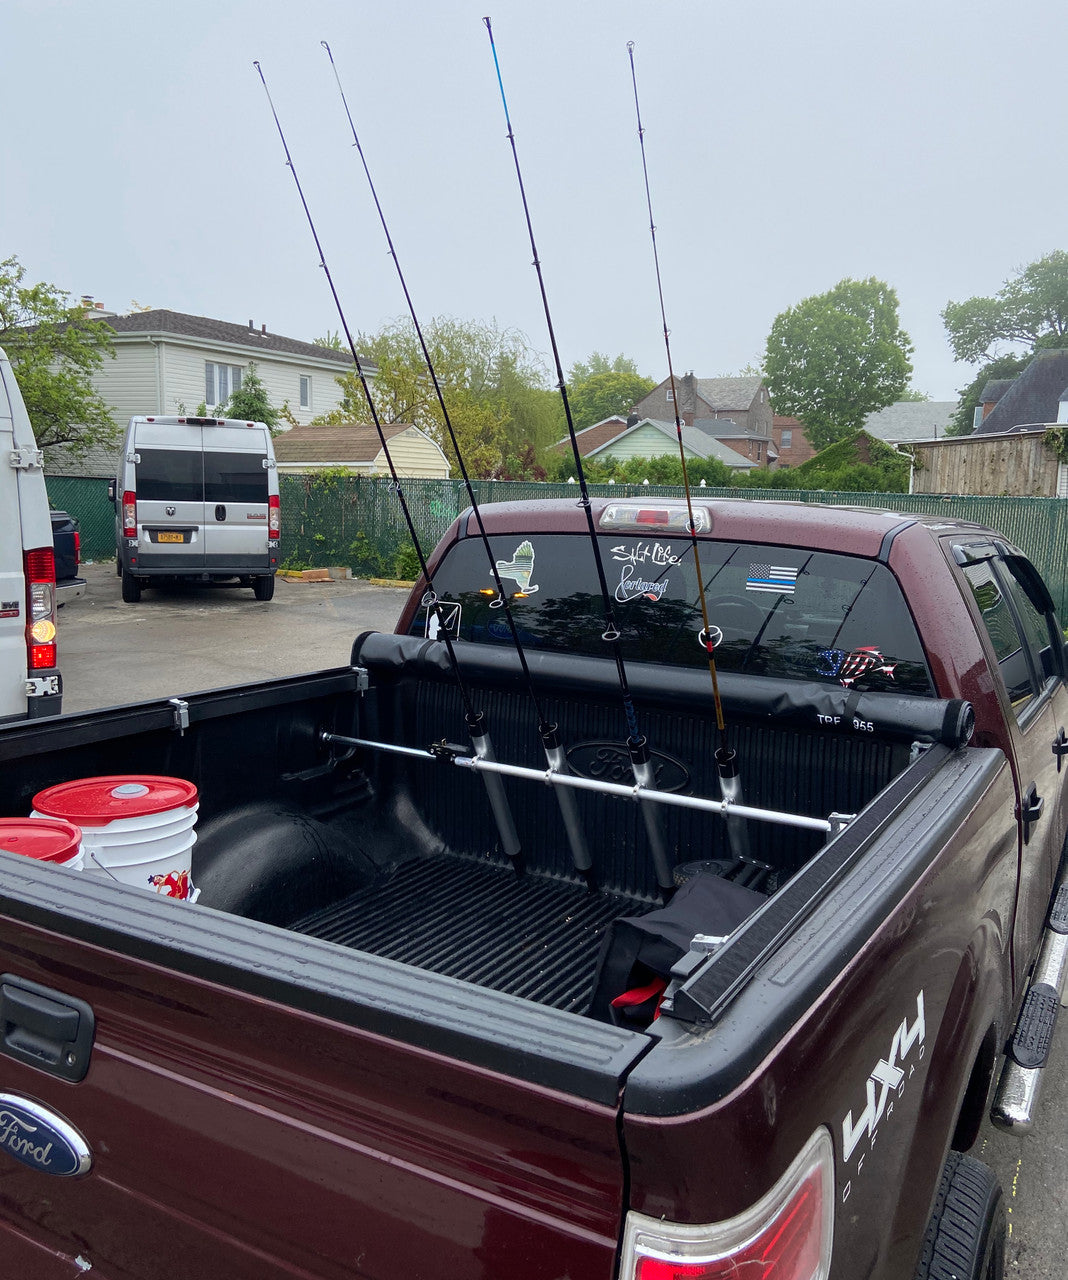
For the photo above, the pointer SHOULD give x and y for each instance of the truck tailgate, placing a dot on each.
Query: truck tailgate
(259, 1105)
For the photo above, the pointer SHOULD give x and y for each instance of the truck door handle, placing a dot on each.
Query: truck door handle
(1060, 747)
(1030, 810)
(45, 1028)
(220, 512)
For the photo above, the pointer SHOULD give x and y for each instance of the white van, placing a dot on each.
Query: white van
(196, 500)
(30, 683)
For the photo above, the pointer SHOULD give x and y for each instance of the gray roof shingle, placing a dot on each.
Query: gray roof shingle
(1033, 397)
(911, 420)
(160, 323)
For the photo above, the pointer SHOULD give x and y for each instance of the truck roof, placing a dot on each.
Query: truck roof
(829, 527)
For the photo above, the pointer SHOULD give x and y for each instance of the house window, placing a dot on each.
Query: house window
(787, 439)
(670, 396)
(305, 391)
(219, 381)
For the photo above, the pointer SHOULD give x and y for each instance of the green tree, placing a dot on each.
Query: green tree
(595, 363)
(603, 395)
(489, 379)
(250, 401)
(1030, 310)
(837, 357)
(55, 348)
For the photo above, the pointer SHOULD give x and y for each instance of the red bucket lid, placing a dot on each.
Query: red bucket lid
(46, 839)
(94, 802)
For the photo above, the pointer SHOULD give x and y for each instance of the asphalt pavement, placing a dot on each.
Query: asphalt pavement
(193, 638)
(189, 638)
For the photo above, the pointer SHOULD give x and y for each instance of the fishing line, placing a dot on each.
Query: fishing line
(637, 743)
(706, 634)
(548, 731)
(476, 720)
(725, 756)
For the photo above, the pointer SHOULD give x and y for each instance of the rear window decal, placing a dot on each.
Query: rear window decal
(848, 666)
(646, 553)
(445, 619)
(520, 569)
(631, 586)
(777, 578)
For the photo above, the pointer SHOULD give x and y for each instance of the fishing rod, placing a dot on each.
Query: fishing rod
(547, 731)
(476, 720)
(725, 756)
(637, 743)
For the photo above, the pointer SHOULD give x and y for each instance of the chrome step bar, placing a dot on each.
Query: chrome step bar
(1016, 1097)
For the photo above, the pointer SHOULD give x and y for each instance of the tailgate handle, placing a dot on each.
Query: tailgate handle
(220, 512)
(45, 1028)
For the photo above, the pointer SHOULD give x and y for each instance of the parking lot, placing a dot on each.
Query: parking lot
(192, 638)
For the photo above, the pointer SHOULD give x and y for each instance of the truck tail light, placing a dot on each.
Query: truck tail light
(77, 548)
(129, 514)
(40, 568)
(274, 516)
(785, 1236)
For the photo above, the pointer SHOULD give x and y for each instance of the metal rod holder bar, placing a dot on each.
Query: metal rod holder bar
(725, 808)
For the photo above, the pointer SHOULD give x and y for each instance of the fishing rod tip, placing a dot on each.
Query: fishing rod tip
(325, 45)
(630, 44)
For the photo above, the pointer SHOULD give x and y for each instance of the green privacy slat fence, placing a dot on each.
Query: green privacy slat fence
(357, 521)
(87, 501)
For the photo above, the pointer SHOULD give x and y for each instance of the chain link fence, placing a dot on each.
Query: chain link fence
(357, 522)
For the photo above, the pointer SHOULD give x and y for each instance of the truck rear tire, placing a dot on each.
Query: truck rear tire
(131, 588)
(965, 1237)
(263, 587)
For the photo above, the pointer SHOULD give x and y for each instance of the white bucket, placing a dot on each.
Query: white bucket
(136, 830)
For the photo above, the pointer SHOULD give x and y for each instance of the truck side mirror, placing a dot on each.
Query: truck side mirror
(111, 492)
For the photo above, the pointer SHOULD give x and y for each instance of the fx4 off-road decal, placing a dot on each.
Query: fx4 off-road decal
(885, 1084)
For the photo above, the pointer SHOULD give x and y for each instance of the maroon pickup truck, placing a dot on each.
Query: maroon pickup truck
(443, 1009)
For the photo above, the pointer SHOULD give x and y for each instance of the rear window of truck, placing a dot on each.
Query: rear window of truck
(775, 611)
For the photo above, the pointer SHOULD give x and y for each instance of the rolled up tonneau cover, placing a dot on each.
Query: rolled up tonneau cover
(798, 704)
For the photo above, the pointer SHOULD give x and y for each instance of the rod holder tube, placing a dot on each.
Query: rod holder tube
(730, 787)
(645, 778)
(502, 812)
(568, 801)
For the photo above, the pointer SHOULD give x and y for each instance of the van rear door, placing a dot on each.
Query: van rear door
(170, 495)
(236, 490)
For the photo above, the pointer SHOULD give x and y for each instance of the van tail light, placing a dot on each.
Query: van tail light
(785, 1236)
(274, 516)
(129, 514)
(40, 567)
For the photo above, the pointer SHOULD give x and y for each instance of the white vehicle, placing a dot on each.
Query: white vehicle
(196, 500)
(30, 683)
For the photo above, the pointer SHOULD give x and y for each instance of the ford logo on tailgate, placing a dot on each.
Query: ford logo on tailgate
(41, 1139)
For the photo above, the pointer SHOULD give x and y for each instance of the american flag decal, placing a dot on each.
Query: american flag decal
(780, 579)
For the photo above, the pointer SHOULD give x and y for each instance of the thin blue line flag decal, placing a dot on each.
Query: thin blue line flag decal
(771, 577)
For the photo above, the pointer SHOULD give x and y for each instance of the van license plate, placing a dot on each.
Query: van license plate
(170, 537)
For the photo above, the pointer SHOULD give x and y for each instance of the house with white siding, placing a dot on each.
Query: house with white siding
(357, 448)
(167, 362)
(654, 438)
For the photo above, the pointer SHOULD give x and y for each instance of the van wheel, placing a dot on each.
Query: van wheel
(131, 588)
(965, 1237)
(264, 588)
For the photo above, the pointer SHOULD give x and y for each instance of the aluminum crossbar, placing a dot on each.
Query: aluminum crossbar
(548, 777)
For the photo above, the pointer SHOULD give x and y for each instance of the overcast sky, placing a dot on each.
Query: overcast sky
(790, 144)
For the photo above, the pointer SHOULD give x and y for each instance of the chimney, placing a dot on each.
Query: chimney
(632, 419)
(263, 328)
(251, 327)
(87, 301)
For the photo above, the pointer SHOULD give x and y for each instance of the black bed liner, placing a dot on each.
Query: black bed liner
(530, 935)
